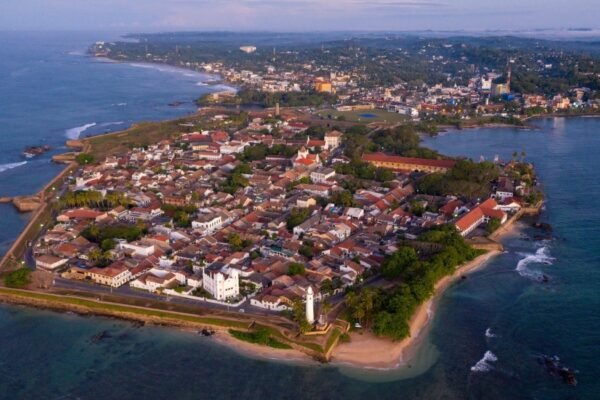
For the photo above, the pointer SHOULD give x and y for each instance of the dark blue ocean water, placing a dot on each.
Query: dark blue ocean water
(47, 355)
(50, 91)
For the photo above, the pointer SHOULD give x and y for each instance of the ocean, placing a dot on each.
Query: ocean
(486, 335)
(51, 91)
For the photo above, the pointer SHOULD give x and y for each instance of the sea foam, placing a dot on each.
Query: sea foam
(6, 167)
(489, 334)
(105, 124)
(541, 256)
(484, 364)
(74, 133)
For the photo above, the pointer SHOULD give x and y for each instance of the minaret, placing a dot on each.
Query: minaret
(310, 306)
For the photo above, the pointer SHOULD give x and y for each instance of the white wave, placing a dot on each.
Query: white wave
(489, 334)
(76, 53)
(104, 124)
(119, 104)
(74, 133)
(6, 167)
(541, 256)
(168, 68)
(201, 84)
(484, 364)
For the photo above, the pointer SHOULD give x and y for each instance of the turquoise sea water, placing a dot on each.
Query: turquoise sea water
(48, 355)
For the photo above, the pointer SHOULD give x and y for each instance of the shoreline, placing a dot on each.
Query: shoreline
(367, 351)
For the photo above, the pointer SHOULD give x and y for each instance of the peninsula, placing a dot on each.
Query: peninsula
(267, 226)
(301, 217)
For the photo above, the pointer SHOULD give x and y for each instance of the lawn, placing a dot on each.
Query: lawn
(360, 116)
(143, 133)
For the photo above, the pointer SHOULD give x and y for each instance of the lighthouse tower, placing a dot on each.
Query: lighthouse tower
(310, 306)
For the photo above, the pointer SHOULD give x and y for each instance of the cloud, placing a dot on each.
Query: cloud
(295, 15)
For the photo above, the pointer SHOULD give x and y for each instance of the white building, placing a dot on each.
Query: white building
(154, 280)
(321, 175)
(113, 275)
(333, 139)
(50, 263)
(138, 248)
(248, 49)
(207, 223)
(220, 285)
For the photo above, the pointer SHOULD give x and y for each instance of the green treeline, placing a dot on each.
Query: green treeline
(389, 312)
(99, 234)
(465, 179)
(94, 199)
(285, 99)
(259, 152)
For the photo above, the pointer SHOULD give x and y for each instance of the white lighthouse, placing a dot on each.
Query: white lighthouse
(310, 305)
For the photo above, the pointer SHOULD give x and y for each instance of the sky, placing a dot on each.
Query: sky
(297, 15)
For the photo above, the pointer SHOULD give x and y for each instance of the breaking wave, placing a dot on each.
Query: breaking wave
(541, 256)
(6, 167)
(489, 334)
(74, 133)
(104, 124)
(168, 68)
(484, 364)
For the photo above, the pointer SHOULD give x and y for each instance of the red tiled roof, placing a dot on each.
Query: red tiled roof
(83, 214)
(470, 218)
(381, 157)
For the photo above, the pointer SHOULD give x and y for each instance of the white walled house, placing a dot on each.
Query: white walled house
(322, 174)
(50, 263)
(154, 280)
(207, 223)
(139, 249)
(113, 275)
(333, 139)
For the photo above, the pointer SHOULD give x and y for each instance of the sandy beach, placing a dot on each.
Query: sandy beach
(365, 350)
(369, 351)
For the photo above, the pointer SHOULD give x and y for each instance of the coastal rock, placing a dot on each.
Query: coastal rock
(543, 226)
(26, 203)
(33, 151)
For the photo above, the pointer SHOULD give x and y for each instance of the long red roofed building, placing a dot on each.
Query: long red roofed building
(399, 163)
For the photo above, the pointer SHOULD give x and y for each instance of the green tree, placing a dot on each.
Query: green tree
(296, 217)
(493, 224)
(396, 265)
(18, 278)
(296, 269)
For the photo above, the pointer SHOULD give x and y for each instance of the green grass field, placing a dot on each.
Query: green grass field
(143, 133)
(355, 116)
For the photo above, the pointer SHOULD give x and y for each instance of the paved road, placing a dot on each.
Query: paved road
(127, 291)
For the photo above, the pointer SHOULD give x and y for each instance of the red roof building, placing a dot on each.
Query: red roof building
(383, 160)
